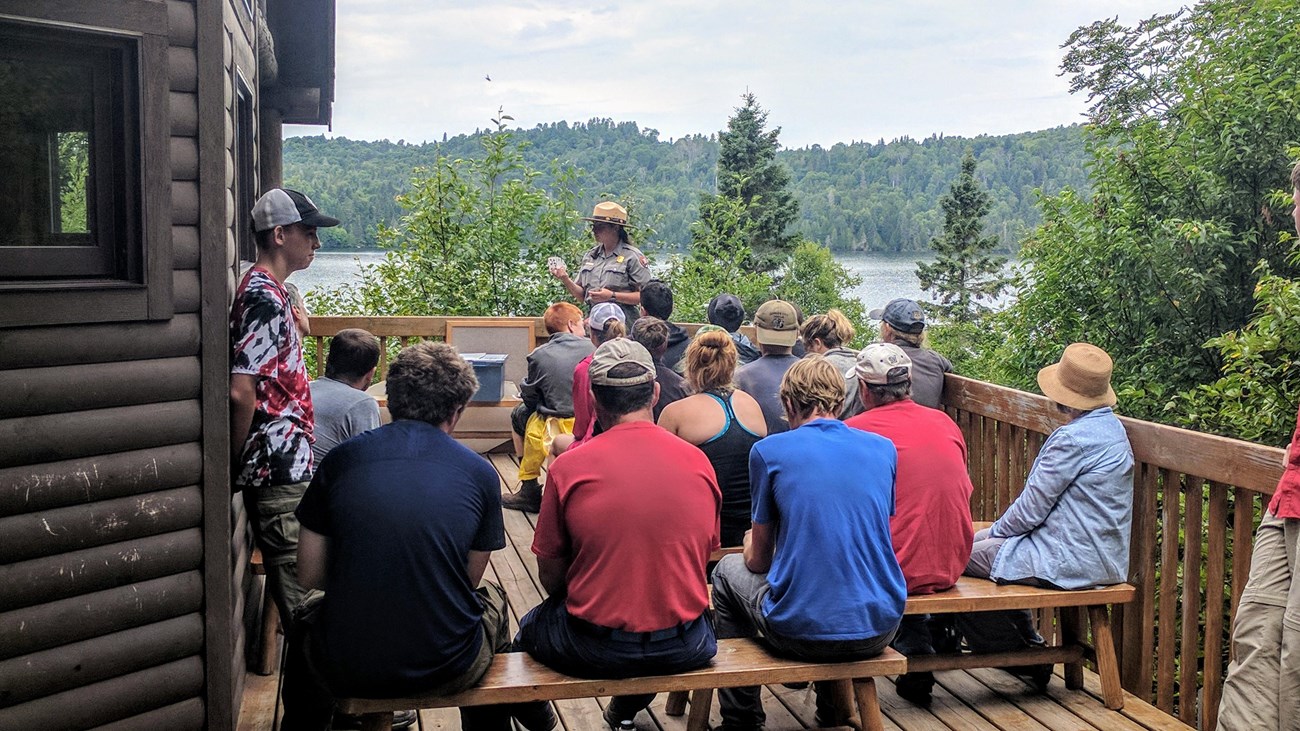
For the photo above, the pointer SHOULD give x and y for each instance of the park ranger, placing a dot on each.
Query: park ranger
(613, 270)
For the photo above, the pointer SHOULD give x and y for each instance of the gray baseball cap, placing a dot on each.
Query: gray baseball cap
(616, 352)
(283, 207)
(903, 315)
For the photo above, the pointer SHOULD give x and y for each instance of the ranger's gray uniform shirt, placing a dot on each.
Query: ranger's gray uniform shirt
(621, 270)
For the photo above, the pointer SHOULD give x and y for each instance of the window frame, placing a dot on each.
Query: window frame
(135, 281)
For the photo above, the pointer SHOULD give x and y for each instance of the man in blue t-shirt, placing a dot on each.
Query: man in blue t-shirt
(398, 525)
(818, 580)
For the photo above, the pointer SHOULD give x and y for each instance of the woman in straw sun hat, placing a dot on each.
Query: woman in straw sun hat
(1069, 528)
(611, 271)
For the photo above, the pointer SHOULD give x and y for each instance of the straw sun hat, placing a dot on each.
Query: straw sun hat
(608, 212)
(1081, 380)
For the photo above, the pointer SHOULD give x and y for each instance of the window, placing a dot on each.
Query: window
(85, 167)
(69, 146)
(245, 169)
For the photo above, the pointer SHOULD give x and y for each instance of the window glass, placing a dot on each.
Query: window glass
(67, 143)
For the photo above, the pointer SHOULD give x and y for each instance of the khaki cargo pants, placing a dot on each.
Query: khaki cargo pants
(1262, 690)
(277, 536)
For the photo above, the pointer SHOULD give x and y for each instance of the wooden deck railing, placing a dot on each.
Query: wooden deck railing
(1173, 641)
(1204, 491)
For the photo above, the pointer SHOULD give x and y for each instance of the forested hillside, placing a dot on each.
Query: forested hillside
(859, 196)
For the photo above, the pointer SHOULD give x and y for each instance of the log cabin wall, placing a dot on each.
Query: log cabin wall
(122, 555)
(239, 188)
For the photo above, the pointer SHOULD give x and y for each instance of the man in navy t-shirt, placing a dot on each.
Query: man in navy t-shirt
(818, 580)
(397, 526)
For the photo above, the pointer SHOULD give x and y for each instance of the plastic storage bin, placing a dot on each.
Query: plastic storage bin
(490, 368)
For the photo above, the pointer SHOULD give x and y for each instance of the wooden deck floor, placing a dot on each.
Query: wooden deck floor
(976, 700)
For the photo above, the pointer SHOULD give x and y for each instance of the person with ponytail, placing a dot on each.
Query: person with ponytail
(722, 421)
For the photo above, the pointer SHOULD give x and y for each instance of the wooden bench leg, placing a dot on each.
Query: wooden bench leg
(1107, 663)
(864, 691)
(701, 704)
(1072, 634)
(839, 700)
(269, 661)
(377, 722)
(676, 703)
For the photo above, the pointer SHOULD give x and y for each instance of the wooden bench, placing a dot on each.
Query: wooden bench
(269, 658)
(515, 678)
(981, 595)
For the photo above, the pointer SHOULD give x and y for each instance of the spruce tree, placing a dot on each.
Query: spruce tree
(748, 172)
(965, 272)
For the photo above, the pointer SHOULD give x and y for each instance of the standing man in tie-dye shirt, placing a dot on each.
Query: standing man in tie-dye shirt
(270, 401)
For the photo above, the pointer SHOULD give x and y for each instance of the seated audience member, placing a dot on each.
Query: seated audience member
(902, 322)
(722, 421)
(605, 323)
(653, 333)
(828, 335)
(818, 580)
(343, 408)
(657, 301)
(727, 312)
(931, 527)
(397, 525)
(547, 394)
(776, 325)
(626, 528)
(1069, 528)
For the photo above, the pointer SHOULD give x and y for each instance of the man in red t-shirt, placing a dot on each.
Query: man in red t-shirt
(931, 527)
(1262, 690)
(625, 531)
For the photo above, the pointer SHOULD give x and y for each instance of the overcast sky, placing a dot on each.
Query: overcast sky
(828, 70)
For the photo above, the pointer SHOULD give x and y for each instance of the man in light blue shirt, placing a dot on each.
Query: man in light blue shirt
(1069, 528)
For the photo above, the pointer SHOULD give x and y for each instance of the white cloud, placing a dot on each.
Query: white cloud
(828, 70)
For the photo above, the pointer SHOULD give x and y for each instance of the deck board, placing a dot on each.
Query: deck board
(964, 700)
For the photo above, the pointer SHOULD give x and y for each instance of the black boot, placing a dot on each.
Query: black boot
(528, 499)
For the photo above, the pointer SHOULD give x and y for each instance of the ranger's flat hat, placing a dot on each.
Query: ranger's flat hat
(608, 212)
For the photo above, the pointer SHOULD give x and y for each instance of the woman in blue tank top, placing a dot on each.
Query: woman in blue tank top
(722, 421)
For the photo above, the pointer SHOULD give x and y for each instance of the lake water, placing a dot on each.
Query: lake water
(884, 276)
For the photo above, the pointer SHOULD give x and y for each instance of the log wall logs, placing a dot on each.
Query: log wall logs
(29, 488)
(38, 347)
(51, 578)
(56, 437)
(81, 663)
(60, 389)
(186, 714)
(102, 473)
(76, 527)
(43, 626)
(110, 700)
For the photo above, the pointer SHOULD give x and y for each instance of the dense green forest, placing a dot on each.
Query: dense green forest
(858, 196)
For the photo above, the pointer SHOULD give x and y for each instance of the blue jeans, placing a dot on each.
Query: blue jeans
(583, 650)
(738, 602)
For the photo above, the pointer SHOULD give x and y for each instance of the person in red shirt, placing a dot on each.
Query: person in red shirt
(931, 527)
(605, 322)
(1262, 689)
(625, 531)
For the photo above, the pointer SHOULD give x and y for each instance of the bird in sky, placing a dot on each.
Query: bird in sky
(487, 76)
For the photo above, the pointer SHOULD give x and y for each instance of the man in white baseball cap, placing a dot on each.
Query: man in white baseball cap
(271, 416)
